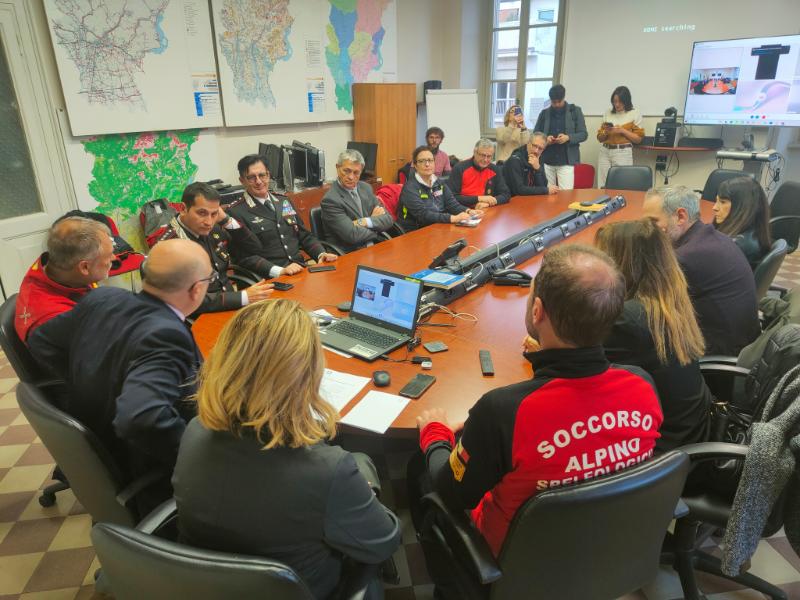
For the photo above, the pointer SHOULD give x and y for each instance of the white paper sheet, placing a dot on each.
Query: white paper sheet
(376, 411)
(339, 388)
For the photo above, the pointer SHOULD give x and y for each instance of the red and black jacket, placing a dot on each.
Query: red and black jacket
(580, 417)
(468, 181)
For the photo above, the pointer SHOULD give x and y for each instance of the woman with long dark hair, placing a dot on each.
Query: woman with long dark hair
(742, 212)
(620, 130)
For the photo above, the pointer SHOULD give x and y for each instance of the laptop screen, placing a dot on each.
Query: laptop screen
(386, 299)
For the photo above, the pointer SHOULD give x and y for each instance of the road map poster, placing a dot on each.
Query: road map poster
(135, 65)
(294, 61)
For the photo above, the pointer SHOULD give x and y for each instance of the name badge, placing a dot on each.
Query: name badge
(437, 193)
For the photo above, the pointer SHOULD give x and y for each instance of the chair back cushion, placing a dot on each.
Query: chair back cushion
(769, 266)
(634, 177)
(138, 565)
(93, 475)
(600, 539)
(584, 176)
(317, 225)
(786, 203)
(17, 352)
(716, 177)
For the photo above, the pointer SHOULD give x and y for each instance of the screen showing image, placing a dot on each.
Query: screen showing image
(752, 81)
(386, 297)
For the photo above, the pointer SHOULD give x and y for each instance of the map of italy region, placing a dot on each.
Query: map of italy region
(108, 40)
(254, 37)
(355, 35)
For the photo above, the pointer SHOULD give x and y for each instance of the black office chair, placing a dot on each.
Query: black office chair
(710, 500)
(629, 178)
(785, 214)
(17, 352)
(768, 267)
(242, 278)
(716, 177)
(561, 542)
(94, 476)
(137, 564)
(318, 229)
(28, 371)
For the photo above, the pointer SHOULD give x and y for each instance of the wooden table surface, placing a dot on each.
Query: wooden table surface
(500, 310)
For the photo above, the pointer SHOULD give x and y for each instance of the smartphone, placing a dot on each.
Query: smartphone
(318, 268)
(417, 386)
(608, 125)
(517, 111)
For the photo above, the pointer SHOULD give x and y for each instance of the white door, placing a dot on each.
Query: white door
(35, 187)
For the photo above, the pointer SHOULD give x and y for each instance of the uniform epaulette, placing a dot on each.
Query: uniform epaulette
(235, 203)
(169, 234)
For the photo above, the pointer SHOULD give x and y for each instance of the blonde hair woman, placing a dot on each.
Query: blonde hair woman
(513, 134)
(255, 474)
(657, 330)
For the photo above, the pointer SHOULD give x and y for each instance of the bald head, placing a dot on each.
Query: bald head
(582, 292)
(174, 265)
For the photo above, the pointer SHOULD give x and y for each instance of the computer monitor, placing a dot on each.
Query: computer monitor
(287, 168)
(370, 153)
(273, 156)
(748, 81)
(309, 163)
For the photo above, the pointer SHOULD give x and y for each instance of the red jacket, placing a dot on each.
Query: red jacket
(578, 418)
(40, 299)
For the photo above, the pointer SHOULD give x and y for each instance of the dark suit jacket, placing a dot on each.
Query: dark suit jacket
(722, 288)
(339, 210)
(129, 362)
(308, 507)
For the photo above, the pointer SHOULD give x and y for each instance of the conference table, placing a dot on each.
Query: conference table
(500, 310)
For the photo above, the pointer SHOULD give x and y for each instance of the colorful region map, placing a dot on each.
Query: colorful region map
(254, 37)
(107, 40)
(132, 168)
(355, 35)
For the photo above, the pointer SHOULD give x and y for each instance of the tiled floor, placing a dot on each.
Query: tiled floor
(46, 554)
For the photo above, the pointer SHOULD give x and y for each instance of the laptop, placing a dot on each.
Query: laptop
(384, 312)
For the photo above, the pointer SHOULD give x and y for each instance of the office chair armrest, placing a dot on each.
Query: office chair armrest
(465, 540)
(718, 359)
(783, 218)
(137, 485)
(681, 510)
(715, 368)
(714, 450)
(332, 248)
(243, 278)
(160, 516)
(396, 230)
(357, 580)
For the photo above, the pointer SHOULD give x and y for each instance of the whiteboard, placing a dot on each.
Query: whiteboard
(456, 113)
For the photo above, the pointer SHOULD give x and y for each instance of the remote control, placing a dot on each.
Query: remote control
(487, 368)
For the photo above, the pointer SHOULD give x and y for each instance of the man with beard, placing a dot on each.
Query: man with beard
(434, 138)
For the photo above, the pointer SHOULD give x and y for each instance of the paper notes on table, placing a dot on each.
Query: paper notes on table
(339, 388)
(376, 411)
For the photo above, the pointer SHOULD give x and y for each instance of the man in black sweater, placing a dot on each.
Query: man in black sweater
(721, 283)
(524, 171)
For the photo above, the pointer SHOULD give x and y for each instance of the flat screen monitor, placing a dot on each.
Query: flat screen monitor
(273, 156)
(370, 153)
(312, 171)
(747, 81)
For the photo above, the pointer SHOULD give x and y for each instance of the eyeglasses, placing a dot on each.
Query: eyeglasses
(538, 147)
(425, 161)
(210, 279)
(487, 156)
(256, 176)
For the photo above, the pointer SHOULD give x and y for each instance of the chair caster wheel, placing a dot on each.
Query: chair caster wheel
(47, 500)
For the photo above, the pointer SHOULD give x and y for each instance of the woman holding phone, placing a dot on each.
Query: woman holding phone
(620, 130)
(513, 134)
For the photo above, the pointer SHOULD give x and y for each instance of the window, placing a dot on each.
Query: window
(525, 59)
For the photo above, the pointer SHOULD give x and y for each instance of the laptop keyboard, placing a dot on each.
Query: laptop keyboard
(362, 334)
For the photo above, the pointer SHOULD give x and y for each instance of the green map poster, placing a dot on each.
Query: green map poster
(133, 168)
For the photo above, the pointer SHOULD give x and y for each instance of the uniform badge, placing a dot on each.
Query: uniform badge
(459, 458)
(424, 196)
(215, 236)
(257, 220)
(437, 192)
(287, 209)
